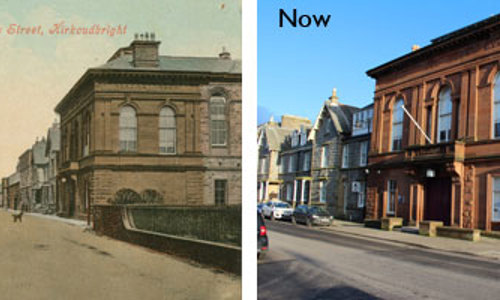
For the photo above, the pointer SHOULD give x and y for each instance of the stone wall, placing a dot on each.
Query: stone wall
(113, 221)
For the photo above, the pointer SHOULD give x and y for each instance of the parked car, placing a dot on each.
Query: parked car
(311, 215)
(259, 207)
(277, 210)
(262, 240)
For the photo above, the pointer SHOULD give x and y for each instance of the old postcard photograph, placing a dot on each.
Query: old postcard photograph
(121, 129)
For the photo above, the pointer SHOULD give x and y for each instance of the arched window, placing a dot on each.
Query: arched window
(167, 130)
(128, 129)
(218, 121)
(397, 125)
(496, 106)
(444, 119)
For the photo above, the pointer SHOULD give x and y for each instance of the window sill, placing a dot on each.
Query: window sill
(218, 146)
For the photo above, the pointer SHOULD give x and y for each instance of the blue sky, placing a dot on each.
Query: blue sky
(298, 67)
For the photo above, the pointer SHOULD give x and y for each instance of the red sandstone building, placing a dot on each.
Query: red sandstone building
(452, 90)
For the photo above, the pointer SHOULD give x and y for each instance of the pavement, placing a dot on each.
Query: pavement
(305, 263)
(47, 257)
(486, 247)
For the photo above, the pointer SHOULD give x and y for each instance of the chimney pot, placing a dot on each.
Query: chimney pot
(224, 54)
(334, 99)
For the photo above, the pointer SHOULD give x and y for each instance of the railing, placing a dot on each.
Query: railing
(447, 151)
(220, 224)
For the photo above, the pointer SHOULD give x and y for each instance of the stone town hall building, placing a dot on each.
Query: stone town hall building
(151, 128)
(452, 89)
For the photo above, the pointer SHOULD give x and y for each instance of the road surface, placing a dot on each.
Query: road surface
(305, 263)
(47, 259)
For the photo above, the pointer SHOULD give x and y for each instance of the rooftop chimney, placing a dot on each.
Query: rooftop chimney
(415, 48)
(224, 54)
(334, 99)
(145, 50)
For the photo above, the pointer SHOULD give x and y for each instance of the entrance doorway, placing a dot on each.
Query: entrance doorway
(438, 200)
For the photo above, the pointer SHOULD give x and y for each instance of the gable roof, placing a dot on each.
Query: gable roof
(340, 114)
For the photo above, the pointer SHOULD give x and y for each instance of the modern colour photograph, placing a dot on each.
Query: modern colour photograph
(378, 172)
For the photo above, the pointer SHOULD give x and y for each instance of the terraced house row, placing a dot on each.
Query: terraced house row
(321, 163)
(427, 148)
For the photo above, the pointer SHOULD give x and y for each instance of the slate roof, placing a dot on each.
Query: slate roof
(340, 114)
(276, 136)
(179, 64)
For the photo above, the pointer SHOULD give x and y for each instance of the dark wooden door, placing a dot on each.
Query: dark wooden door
(438, 200)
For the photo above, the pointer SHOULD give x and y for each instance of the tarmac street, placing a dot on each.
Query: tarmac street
(305, 263)
(42, 258)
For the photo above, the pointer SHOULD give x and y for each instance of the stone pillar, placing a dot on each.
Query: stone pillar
(371, 203)
(469, 196)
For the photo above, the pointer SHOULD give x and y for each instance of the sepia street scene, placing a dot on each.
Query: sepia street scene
(392, 196)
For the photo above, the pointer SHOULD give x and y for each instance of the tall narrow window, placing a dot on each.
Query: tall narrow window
(86, 136)
(444, 120)
(307, 161)
(168, 131)
(363, 157)
(397, 125)
(391, 196)
(322, 191)
(220, 192)
(345, 156)
(495, 214)
(324, 156)
(218, 121)
(496, 104)
(128, 129)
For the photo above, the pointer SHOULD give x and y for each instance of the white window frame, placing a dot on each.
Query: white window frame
(363, 156)
(167, 133)
(345, 156)
(324, 156)
(389, 194)
(218, 122)
(291, 159)
(397, 124)
(289, 191)
(306, 164)
(322, 192)
(445, 109)
(496, 106)
(361, 194)
(493, 201)
(128, 129)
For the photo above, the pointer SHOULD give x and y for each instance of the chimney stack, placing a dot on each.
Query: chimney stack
(145, 50)
(334, 99)
(224, 54)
